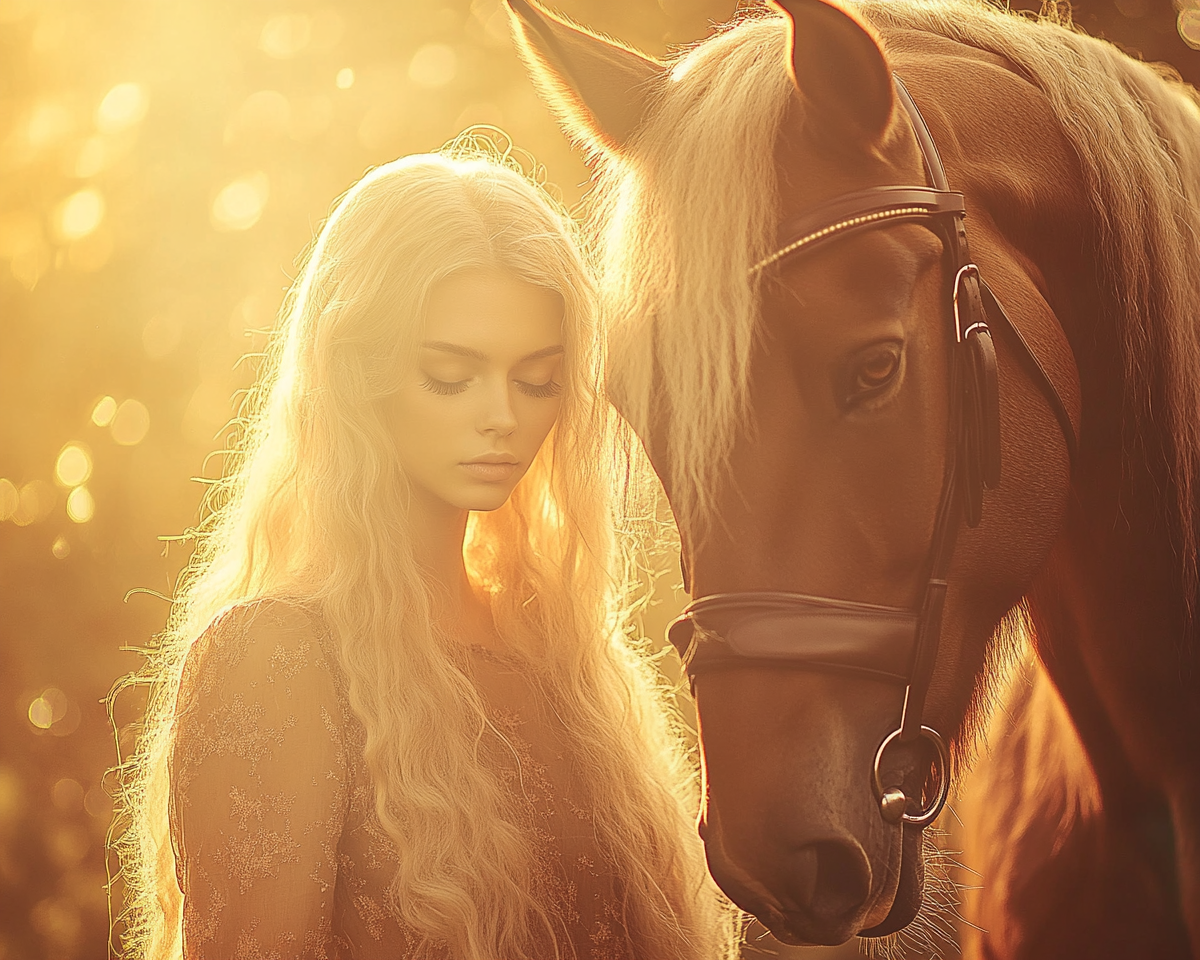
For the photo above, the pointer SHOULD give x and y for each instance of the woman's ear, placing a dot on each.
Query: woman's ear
(599, 89)
(840, 70)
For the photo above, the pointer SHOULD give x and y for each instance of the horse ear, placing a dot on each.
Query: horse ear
(840, 68)
(599, 89)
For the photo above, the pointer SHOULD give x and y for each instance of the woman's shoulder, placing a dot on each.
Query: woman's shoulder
(264, 644)
(281, 618)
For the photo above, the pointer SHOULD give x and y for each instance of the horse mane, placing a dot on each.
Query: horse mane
(693, 203)
(686, 212)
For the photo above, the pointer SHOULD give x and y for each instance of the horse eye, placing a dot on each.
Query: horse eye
(872, 371)
(878, 368)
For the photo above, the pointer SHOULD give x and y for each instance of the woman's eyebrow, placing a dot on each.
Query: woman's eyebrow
(444, 347)
(544, 352)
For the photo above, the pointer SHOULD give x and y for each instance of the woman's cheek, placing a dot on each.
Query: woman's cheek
(546, 415)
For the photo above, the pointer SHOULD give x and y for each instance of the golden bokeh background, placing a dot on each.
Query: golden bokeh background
(162, 164)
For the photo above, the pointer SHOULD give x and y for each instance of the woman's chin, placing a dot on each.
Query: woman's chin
(485, 501)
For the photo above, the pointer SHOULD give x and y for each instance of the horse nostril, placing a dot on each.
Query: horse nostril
(837, 888)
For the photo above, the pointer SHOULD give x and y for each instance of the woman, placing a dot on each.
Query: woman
(390, 718)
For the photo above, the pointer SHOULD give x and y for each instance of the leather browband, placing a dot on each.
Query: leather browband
(863, 208)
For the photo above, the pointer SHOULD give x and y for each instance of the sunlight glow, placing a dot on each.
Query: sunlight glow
(74, 465)
(130, 423)
(50, 708)
(49, 123)
(286, 35)
(67, 795)
(34, 504)
(123, 106)
(680, 70)
(104, 411)
(207, 411)
(161, 335)
(240, 204)
(13, 10)
(93, 155)
(19, 231)
(262, 116)
(9, 498)
(434, 65)
(41, 714)
(81, 505)
(80, 214)
(345, 78)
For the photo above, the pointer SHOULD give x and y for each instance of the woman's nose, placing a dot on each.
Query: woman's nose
(498, 416)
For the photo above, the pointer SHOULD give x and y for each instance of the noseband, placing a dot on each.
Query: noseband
(890, 644)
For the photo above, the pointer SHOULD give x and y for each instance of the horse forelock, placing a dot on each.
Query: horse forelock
(686, 213)
(694, 203)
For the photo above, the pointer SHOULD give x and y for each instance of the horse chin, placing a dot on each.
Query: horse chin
(787, 929)
(907, 900)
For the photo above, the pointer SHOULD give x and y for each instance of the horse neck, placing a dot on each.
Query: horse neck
(1109, 606)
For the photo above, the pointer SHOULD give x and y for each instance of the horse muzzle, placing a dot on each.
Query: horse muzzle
(819, 893)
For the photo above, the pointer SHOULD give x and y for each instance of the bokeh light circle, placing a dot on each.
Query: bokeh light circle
(104, 411)
(286, 35)
(240, 204)
(81, 505)
(80, 214)
(41, 714)
(49, 708)
(35, 501)
(74, 465)
(130, 423)
(67, 795)
(123, 106)
(10, 498)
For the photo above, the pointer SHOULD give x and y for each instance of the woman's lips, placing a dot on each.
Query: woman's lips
(490, 472)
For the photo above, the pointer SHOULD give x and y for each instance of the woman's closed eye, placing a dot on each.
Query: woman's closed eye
(444, 388)
(542, 391)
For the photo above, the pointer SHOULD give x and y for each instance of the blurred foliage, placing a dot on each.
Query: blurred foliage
(162, 163)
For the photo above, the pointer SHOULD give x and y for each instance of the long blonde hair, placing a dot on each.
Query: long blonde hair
(313, 506)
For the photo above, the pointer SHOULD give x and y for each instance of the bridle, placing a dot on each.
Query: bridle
(892, 644)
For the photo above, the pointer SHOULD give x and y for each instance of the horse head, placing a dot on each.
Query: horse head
(788, 341)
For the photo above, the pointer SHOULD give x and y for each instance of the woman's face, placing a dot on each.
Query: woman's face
(472, 415)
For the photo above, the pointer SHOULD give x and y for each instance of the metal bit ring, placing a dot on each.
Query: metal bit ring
(890, 797)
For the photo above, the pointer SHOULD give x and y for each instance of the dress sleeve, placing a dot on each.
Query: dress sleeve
(258, 788)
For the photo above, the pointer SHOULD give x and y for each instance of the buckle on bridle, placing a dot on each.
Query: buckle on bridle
(978, 323)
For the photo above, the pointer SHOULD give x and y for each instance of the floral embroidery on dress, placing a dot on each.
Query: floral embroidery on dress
(280, 855)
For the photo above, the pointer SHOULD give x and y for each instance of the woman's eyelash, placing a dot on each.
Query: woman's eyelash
(543, 391)
(444, 388)
(448, 388)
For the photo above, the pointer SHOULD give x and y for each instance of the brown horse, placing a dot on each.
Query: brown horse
(822, 416)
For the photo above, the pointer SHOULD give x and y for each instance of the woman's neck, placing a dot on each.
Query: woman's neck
(439, 531)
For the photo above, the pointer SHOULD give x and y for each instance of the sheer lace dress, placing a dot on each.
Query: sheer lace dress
(279, 853)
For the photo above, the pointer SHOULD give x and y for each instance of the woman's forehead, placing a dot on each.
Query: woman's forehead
(488, 314)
